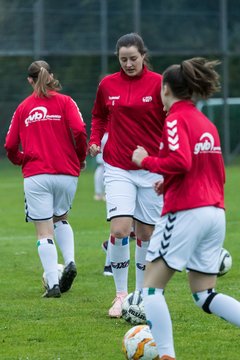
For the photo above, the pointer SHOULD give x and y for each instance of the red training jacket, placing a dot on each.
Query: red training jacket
(132, 109)
(190, 159)
(51, 133)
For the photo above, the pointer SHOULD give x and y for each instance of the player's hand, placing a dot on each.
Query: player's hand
(83, 165)
(158, 187)
(94, 150)
(138, 155)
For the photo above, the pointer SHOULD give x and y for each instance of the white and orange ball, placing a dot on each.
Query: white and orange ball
(138, 344)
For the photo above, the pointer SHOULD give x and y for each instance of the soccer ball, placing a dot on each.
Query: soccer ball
(138, 344)
(225, 262)
(60, 272)
(133, 309)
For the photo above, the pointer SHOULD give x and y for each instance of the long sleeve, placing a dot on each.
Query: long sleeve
(175, 156)
(99, 119)
(78, 128)
(190, 160)
(12, 142)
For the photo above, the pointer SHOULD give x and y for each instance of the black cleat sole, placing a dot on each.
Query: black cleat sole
(68, 276)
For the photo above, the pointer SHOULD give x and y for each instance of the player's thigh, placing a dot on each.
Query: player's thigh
(64, 191)
(200, 282)
(120, 193)
(38, 197)
(148, 203)
(157, 274)
(143, 231)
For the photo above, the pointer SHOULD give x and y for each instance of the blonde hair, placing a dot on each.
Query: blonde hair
(44, 81)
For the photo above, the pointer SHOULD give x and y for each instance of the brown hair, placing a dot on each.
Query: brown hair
(193, 77)
(133, 39)
(44, 81)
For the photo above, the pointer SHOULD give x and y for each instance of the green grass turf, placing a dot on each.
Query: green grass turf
(76, 326)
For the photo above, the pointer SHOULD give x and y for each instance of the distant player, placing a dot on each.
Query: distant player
(191, 233)
(99, 188)
(47, 137)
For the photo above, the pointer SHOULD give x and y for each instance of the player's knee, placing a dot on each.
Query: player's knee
(203, 299)
(119, 233)
(57, 219)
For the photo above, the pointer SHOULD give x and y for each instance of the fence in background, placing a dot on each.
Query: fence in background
(78, 38)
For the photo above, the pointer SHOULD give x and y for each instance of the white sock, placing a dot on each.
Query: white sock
(120, 258)
(159, 320)
(221, 305)
(227, 308)
(65, 240)
(140, 260)
(108, 260)
(48, 255)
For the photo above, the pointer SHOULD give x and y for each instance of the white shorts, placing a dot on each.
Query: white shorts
(189, 239)
(48, 195)
(131, 193)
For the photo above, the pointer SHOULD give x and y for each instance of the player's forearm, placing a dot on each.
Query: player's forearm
(165, 166)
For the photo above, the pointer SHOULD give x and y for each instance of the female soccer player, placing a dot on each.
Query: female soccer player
(191, 162)
(129, 103)
(49, 128)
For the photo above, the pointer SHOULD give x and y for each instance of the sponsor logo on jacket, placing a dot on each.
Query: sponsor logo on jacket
(113, 99)
(147, 99)
(40, 114)
(206, 145)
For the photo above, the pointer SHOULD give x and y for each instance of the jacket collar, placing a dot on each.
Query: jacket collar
(181, 104)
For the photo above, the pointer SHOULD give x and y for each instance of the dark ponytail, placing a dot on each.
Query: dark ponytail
(193, 77)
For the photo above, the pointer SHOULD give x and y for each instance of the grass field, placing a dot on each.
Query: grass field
(76, 326)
